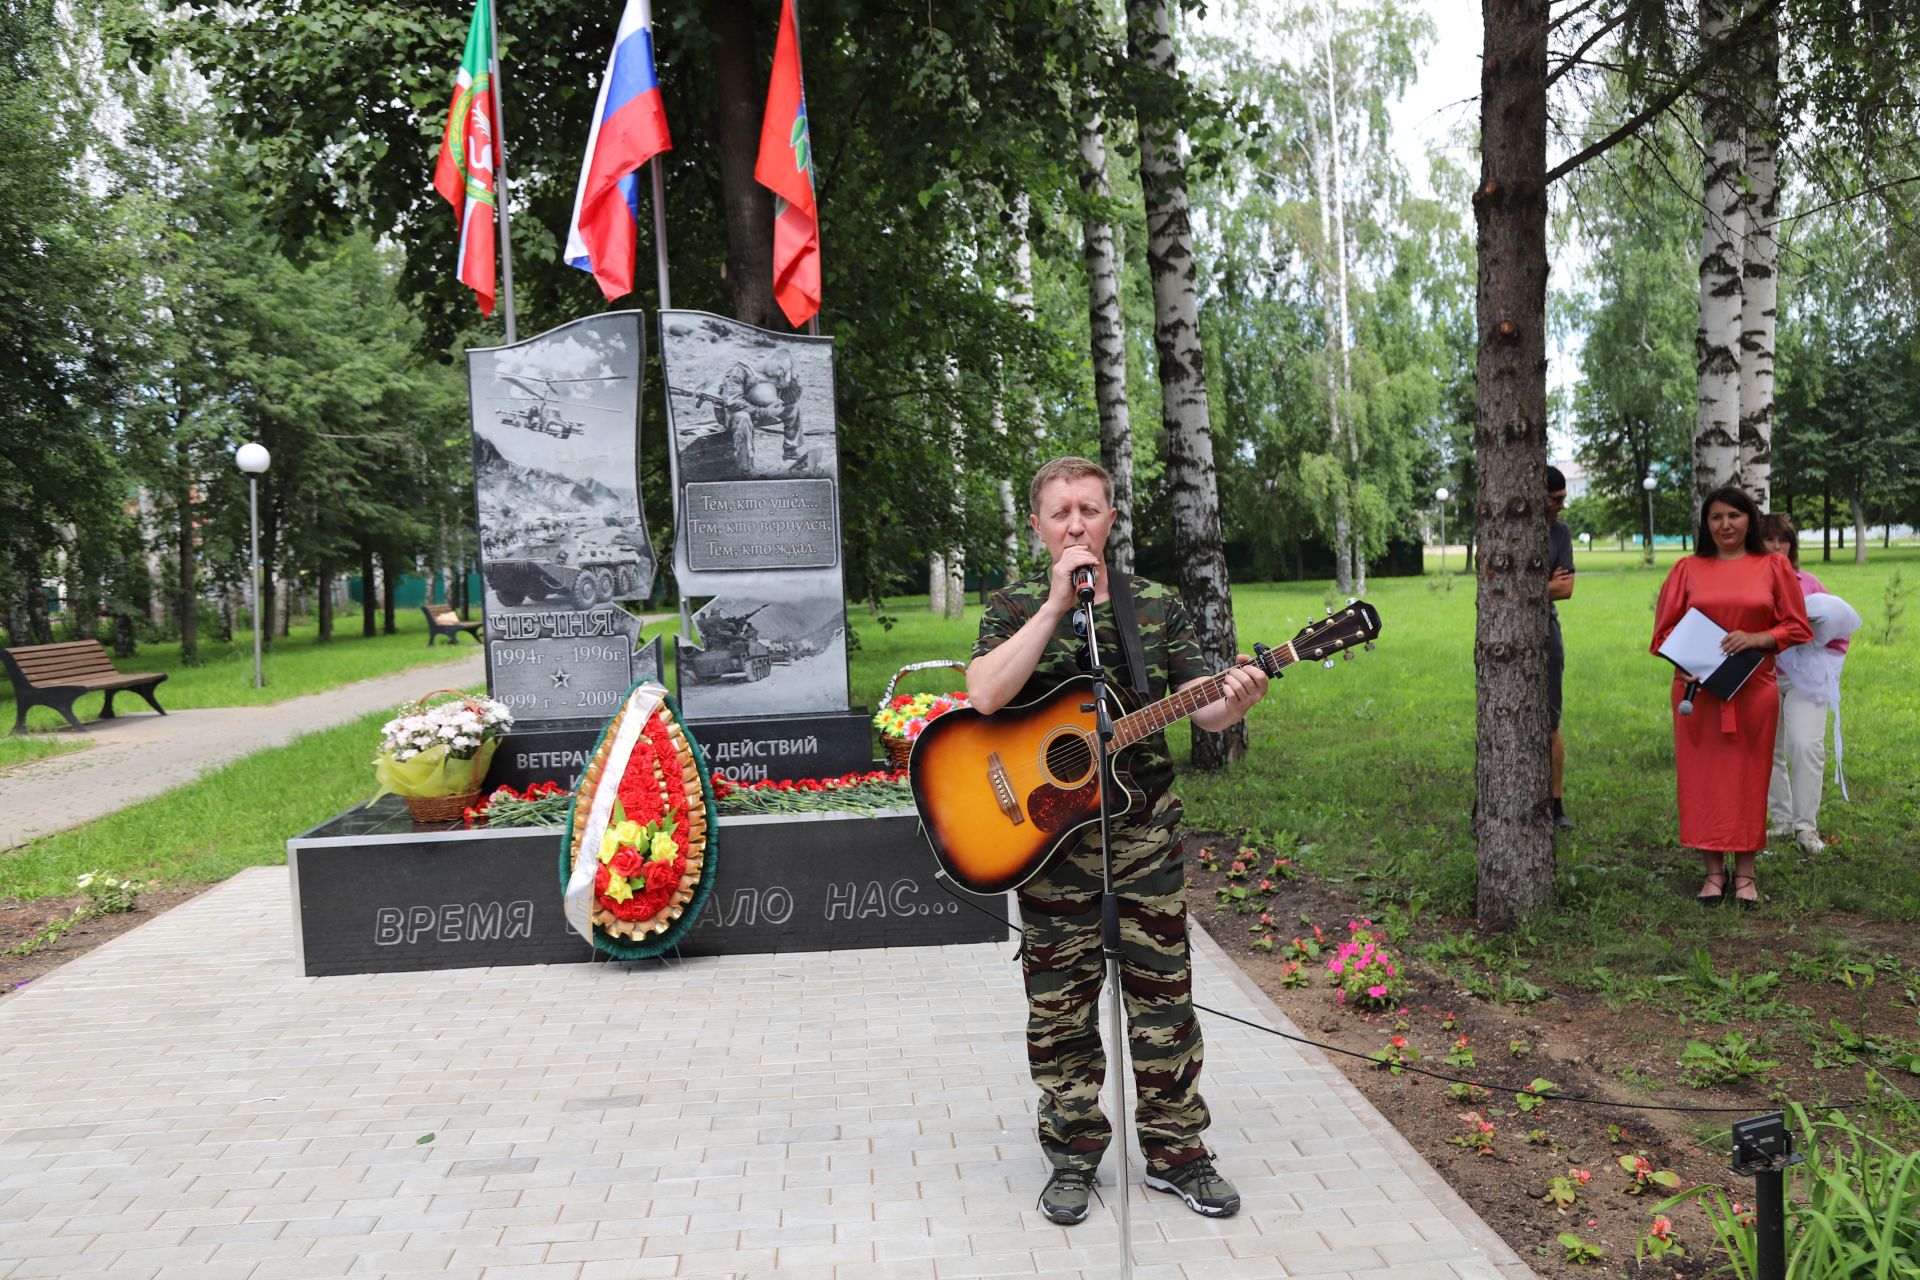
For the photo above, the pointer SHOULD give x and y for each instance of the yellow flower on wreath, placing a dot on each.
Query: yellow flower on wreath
(628, 834)
(663, 849)
(618, 889)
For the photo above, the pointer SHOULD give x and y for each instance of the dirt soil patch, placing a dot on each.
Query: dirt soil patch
(1628, 1050)
(24, 921)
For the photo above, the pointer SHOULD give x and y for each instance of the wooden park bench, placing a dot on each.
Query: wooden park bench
(53, 675)
(443, 621)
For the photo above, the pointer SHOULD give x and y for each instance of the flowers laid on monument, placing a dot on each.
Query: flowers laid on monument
(542, 804)
(545, 804)
(855, 792)
(640, 866)
(436, 750)
(907, 714)
(650, 848)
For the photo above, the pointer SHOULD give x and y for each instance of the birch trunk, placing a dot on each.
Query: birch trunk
(1012, 525)
(1760, 285)
(1109, 346)
(1511, 773)
(1345, 327)
(1716, 345)
(937, 584)
(1342, 527)
(1192, 486)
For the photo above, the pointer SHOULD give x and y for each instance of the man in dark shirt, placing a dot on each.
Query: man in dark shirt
(1559, 587)
(1027, 646)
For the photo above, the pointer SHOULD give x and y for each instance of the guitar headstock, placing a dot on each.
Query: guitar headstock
(1355, 624)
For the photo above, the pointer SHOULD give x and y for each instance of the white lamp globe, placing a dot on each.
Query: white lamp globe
(1586, 537)
(252, 458)
(1649, 484)
(1441, 495)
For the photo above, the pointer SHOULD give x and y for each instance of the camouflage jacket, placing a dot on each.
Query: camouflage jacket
(1167, 640)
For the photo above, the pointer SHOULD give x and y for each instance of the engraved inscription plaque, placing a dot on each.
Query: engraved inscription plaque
(765, 524)
(561, 664)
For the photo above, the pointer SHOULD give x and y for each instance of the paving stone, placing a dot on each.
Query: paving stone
(833, 1117)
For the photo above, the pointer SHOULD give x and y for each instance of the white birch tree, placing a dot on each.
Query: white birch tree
(1760, 285)
(1717, 343)
(1350, 552)
(1109, 344)
(1192, 484)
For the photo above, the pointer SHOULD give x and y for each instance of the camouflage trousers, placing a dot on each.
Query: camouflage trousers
(1060, 927)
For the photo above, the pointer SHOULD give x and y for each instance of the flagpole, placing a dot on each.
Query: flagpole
(800, 49)
(660, 232)
(500, 164)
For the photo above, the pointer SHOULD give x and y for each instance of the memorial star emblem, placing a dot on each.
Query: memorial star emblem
(561, 678)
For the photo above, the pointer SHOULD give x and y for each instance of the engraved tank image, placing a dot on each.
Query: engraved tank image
(731, 649)
(584, 568)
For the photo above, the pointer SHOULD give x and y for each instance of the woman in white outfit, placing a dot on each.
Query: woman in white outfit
(1800, 747)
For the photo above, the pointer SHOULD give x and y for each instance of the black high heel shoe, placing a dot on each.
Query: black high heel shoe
(1713, 899)
(1745, 904)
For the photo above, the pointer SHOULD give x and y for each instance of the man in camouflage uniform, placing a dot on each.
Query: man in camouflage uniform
(1027, 646)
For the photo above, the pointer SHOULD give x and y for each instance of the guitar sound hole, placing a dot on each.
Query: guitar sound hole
(1069, 757)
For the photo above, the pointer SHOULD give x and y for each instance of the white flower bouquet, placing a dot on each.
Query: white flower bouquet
(438, 753)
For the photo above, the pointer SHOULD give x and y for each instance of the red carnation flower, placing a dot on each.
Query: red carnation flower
(626, 862)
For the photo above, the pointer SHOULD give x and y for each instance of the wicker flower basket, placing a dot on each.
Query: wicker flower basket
(898, 749)
(469, 770)
(441, 808)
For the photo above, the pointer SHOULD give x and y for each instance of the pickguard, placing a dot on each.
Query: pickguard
(1054, 810)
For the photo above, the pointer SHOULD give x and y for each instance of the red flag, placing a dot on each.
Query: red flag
(785, 167)
(464, 174)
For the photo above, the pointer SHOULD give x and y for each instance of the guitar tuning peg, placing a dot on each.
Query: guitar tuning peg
(1348, 655)
(1327, 663)
(1369, 646)
(1353, 599)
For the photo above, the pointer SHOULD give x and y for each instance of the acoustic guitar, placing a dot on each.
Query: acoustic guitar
(999, 795)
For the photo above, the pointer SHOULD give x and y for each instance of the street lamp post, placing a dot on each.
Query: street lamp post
(1440, 495)
(254, 460)
(1649, 484)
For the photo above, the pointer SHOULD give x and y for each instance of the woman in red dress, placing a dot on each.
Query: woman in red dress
(1724, 750)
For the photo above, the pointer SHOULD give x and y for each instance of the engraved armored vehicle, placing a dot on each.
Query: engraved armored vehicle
(583, 569)
(731, 649)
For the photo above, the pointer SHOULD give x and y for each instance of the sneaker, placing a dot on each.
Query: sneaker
(1201, 1186)
(1809, 842)
(1064, 1198)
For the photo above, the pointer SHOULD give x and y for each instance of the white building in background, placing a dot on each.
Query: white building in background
(1576, 477)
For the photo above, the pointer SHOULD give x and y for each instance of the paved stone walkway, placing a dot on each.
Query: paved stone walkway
(180, 1102)
(137, 756)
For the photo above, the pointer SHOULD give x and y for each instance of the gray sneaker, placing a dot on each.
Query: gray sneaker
(1809, 841)
(1201, 1186)
(1064, 1198)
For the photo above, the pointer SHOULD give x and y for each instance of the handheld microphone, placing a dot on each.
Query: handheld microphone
(1083, 583)
(1686, 697)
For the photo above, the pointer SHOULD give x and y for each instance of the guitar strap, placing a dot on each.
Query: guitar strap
(1127, 623)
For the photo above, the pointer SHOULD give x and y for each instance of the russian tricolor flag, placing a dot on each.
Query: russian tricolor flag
(629, 129)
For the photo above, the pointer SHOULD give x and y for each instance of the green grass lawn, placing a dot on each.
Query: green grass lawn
(1369, 763)
(238, 816)
(36, 746)
(296, 664)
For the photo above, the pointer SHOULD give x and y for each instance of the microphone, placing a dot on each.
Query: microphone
(1686, 697)
(1083, 583)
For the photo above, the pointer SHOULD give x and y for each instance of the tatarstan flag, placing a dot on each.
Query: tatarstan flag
(465, 172)
(785, 167)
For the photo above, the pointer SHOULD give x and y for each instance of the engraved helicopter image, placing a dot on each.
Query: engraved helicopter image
(544, 414)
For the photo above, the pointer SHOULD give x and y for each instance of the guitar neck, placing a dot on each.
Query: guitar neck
(1154, 717)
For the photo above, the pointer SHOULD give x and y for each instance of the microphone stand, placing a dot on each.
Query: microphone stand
(1118, 1064)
